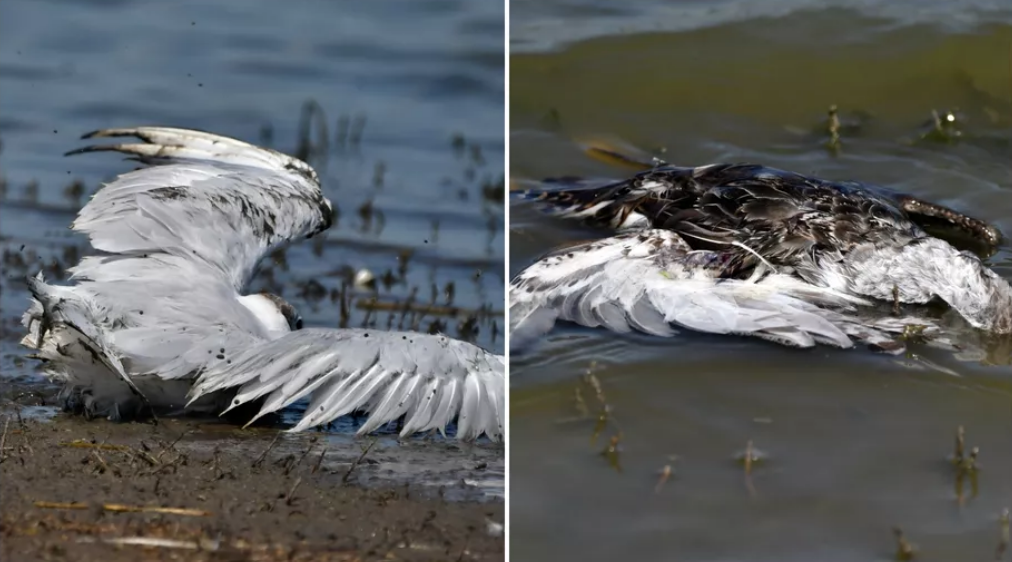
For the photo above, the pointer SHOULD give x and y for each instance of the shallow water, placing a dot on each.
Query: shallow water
(853, 443)
(433, 466)
(406, 136)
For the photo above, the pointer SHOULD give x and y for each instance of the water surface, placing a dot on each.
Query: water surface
(852, 443)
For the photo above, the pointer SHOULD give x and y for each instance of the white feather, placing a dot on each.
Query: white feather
(650, 280)
(389, 374)
(220, 207)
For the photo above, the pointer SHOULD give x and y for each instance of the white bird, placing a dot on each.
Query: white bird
(161, 319)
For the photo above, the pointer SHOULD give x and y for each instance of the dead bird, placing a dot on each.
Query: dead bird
(747, 248)
(160, 318)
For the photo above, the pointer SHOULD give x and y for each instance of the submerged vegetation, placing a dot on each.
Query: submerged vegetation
(594, 411)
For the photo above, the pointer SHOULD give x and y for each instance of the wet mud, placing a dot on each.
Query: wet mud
(204, 489)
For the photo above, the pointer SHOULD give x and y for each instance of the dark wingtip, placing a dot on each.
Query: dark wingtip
(82, 150)
(86, 136)
(981, 231)
(96, 148)
(114, 132)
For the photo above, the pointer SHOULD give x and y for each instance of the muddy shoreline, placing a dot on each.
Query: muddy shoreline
(71, 490)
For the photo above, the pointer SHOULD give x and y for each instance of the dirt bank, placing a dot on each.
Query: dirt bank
(70, 489)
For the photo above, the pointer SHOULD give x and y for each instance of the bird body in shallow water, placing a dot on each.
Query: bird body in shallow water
(161, 319)
(732, 231)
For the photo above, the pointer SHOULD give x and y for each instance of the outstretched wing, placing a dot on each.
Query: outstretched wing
(216, 202)
(429, 379)
(651, 280)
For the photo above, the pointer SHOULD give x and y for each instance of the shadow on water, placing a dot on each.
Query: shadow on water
(405, 133)
(722, 448)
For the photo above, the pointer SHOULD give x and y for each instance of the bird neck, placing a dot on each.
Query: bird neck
(267, 313)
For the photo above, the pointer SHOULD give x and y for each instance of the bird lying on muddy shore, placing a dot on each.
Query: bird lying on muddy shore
(748, 249)
(160, 318)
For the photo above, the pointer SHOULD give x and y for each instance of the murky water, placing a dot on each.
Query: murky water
(852, 443)
(399, 105)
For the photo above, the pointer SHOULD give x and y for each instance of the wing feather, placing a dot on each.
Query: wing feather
(428, 379)
(220, 203)
(650, 280)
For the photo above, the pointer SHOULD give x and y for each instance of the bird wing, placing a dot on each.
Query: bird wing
(182, 239)
(218, 203)
(649, 281)
(62, 330)
(429, 379)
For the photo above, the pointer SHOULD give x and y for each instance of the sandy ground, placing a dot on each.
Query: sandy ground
(74, 490)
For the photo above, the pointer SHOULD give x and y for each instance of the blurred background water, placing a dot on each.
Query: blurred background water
(399, 105)
(850, 443)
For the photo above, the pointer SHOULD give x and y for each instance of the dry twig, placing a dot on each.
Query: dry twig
(120, 508)
(83, 444)
(347, 475)
(259, 460)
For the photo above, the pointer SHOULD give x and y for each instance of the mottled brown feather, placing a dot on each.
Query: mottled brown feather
(787, 218)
